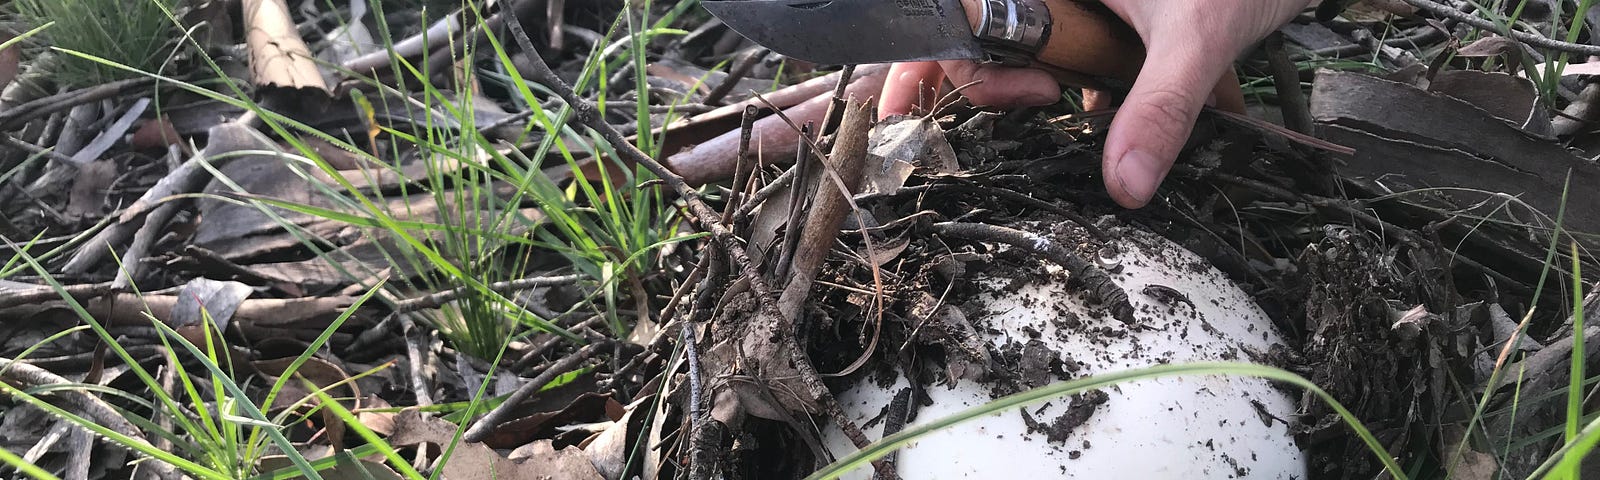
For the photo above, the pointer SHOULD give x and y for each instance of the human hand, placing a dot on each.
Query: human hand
(1191, 46)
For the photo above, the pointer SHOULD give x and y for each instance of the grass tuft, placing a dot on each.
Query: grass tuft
(133, 33)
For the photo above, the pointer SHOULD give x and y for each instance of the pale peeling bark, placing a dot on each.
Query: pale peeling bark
(278, 56)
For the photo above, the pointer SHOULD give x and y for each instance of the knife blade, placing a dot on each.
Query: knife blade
(850, 32)
(1080, 41)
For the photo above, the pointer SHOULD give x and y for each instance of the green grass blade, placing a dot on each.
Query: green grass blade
(23, 467)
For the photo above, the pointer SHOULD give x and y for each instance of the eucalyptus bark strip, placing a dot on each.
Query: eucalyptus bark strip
(829, 205)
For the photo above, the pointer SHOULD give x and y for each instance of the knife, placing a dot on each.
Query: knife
(1081, 42)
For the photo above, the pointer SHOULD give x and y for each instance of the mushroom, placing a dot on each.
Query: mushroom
(1043, 332)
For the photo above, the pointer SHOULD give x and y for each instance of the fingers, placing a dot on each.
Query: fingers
(1003, 87)
(1227, 95)
(1097, 100)
(1154, 122)
(907, 85)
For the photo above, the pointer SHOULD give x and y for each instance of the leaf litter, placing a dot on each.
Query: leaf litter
(1397, 271)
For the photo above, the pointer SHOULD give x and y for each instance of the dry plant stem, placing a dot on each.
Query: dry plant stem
(545, 346)
(1100, 287)
(682, 291)
(154, 225)
(435, 36)
(707, 219)
(484, 426)
(692, 359)
(417, 357)
(797, 207)
(44, 293)
(828, 208)
(555, 15)
(741, 173)
(1286, 79)
(712, 160)
(756, 199)
(26, 376)
(49, 153)
(1521, 36)
(836, 106)
(441, 298)
(740, 69)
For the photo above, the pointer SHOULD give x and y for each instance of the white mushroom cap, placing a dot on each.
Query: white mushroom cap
(1175, 427)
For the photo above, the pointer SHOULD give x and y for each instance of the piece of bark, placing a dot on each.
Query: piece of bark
(829, 205)
(1440, 141)
(278, 56)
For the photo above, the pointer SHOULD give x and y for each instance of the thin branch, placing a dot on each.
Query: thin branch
(447, 296)
(1521, 36)
(1100, 287)
(44, 293)
(484, 426)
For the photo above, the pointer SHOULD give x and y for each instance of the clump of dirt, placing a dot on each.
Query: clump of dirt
(1076, 414)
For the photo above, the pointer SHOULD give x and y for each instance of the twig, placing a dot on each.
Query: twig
(1100, 287)
(692, 358)
(143, 240)
(49, 153)
(447, 296)
(417, 356)
(206, 255)
(1521, 36)
(484, 426)
(16, 116)
(828, 208)
(1286, 79)
(742, 167)
(682, 291)
(1031, 201)
(740, 69)
(797, 206)
(550, 343)
(778, 184)
(44, 293)
(26, 376)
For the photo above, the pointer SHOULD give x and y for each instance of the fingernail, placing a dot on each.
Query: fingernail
(1140, 173)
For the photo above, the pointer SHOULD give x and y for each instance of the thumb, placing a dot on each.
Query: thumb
(1153, 124)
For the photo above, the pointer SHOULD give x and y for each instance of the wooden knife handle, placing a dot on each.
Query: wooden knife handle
(1087, 42)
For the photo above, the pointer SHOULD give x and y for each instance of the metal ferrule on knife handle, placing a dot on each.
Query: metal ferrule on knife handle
(1081, 42)
(1013, 30)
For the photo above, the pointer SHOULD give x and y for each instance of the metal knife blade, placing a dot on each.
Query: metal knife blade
(848, 32)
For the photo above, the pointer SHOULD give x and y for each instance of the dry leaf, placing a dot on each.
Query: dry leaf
(472, 461)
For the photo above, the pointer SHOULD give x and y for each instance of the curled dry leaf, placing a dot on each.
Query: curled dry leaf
(278, 56)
